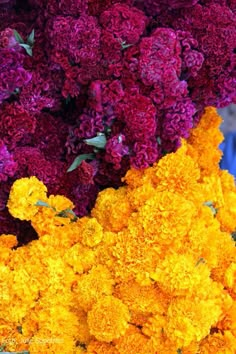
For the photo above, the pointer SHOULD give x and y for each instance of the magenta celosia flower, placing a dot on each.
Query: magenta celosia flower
(139, 115)
(12, 74)
(8, 166)
(67, 7)
(125, 23)
(88, 125)
(178, 120)
(16, 125)
(145, 153)
(115, 150)
(215, 82)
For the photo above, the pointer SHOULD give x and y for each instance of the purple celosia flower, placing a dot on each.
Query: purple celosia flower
(178, 120)
(8, 166)
(115, 150)
(12, 74)
(145, 153)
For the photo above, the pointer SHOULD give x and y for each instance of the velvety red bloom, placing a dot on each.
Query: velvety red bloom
(67, 7)
(88, 125)
(124, 23)
(216, 42)
(50, 136)
(178, 120)
(8, 40)
(145, 153)
(32, 162)
(85, 173)
(12, 74)
(139, 115)
(16, 125)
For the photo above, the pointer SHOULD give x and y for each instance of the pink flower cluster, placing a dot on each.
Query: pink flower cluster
(119, 82)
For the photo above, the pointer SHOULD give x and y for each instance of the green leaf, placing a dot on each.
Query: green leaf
(27, 48)
(211, 206)
(77, 161)
(30, 39)
(200, 261)
(98, 142)
(159, 140)
(18, 37)
(16, 91)
(64, 214)
(42, 203)
(125, 46)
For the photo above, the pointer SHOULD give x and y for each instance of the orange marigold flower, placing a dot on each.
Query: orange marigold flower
(94, 285)
(181, 274)
(190, 320)
(108, 319)
(112, 209)
(8, 241)
(219, 343)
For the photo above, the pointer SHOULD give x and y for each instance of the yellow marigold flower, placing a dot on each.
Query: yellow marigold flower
(80, 258)
(200, 241)
(60, 203)
(190, 320)
(177, 173)
(182, 275)
(135, 343)
(24, 195)
(92, 232)
(112, 209)
(154, 329)
(219, 343)
(227, 255)
(83, 334)
(133, 258)
(140, 195)
(166, 218)
(108, 319)
(206, 137)
(227, 214)
(8, 241)
(140, 299)
(96, 347)
(230, 277)
(94, 285)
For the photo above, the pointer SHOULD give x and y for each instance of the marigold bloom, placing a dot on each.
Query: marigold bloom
(23, 197)
(112, 209)
(92, 232)
(93, 286)
(108, 319)
(8, 241)
(190, 320)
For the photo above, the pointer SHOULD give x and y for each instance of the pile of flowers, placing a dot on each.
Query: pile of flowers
(90, 88)
(151, 270)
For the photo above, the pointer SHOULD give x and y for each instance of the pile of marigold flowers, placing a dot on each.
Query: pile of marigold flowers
(90, 88)
(151, 270)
